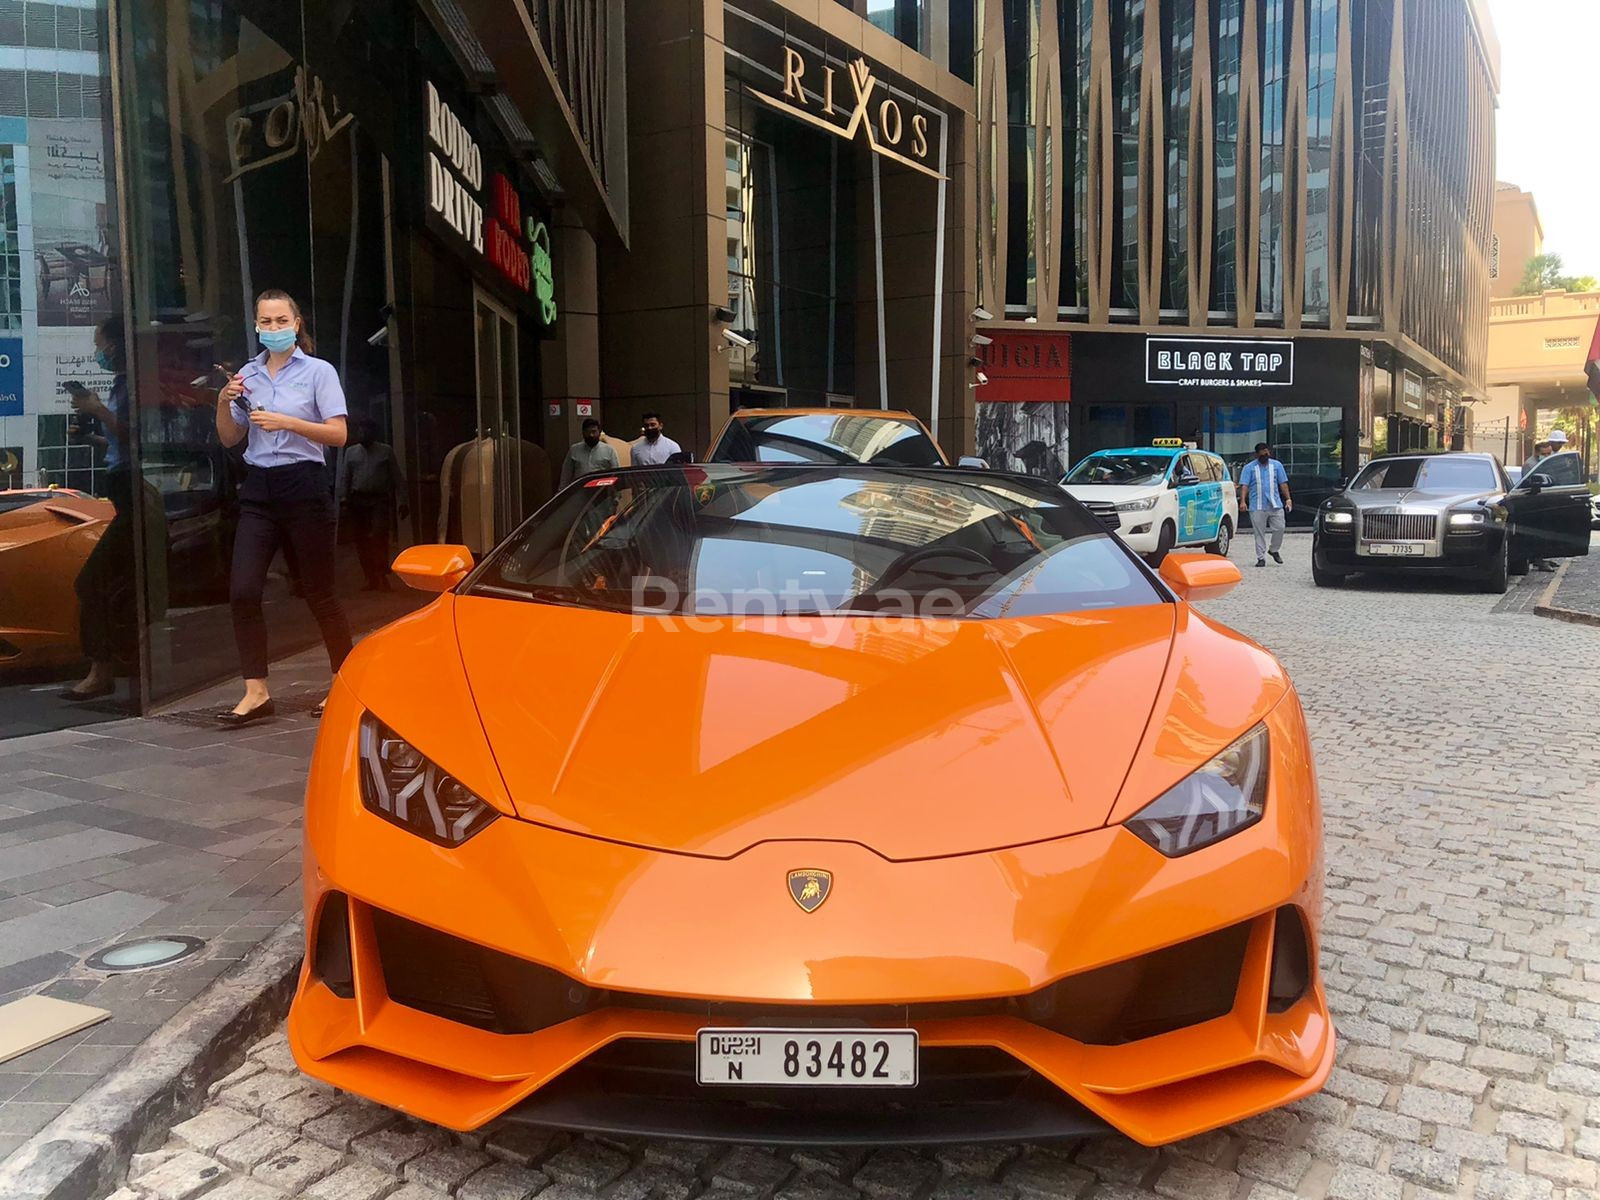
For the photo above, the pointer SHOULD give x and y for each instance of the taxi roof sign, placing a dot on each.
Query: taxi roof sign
(1169, 443)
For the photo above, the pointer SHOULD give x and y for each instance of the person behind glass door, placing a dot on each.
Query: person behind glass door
(654, 447)
(105, 602)
(288, 407)
(1264, 493)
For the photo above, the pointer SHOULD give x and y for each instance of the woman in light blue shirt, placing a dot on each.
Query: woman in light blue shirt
(288, 408)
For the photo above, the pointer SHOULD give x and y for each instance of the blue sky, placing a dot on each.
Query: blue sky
(1549, 120)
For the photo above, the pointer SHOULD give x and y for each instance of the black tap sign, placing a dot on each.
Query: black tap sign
(1219, 362)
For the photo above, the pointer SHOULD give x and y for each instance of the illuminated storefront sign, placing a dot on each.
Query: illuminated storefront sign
(862, 113)
(455, 181)
(1219, 362)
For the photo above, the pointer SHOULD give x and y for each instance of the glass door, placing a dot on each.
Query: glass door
(499, 421)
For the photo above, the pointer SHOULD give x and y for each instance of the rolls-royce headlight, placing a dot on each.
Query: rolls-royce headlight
(400, 785)
(1333, 517)
(1463, 520)
(1227, 795)
(1144, 505)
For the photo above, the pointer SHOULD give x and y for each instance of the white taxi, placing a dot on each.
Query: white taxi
(1166, 494)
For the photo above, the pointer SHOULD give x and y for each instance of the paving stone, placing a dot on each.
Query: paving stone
(181, 1177)
(241, 1188)
(959, 1187)
(503, 1181)
(1391, 1126)
(1431, 1168)
(1544, 1132)
(1526, 1097)
(352, 1119)
(415, 1191)
(523, 1145)
(1504, 1062)
(1503, 1183)
(841, 1162)
(1471, 1146)
(212, 1126)
(1430, 1104)
(813, 1185)
(586, 1164)
(307, 1104)
(298, 1166)
(895, 1175)
(1045, 1177)
(1451, 1078)
(358, 1181)
(1274, 1164)
(1379, 1063)
(254, 1146)
(259, 1092)
(1352, 1182)
(393, 1146)
(1337, 1144)
(444, 1169)
(980, 1161)
(1118, 1160)
(1565, 1170)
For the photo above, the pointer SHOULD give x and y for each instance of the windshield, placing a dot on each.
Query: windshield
(23, 499)
(751, 540)
(1444, 473)
(827, 438)
(1125, 470)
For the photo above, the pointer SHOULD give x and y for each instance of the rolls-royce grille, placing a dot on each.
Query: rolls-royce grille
(1380, 526)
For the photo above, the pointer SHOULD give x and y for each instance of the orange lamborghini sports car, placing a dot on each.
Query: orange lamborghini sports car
(46, 535)
(814, 804)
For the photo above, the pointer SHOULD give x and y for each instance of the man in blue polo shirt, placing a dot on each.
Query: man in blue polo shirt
(1264, 491)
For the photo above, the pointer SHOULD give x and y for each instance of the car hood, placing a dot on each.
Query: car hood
(916, 742)
(1113, 493)
(1412, 499)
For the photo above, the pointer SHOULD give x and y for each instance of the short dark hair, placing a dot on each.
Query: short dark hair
(590, 423)
(648, 415)
(1260, 446)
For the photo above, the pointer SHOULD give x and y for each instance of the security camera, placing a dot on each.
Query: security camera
(724, 314)
(979, 339)
(982, 314)
(738, 339)
(381, 338)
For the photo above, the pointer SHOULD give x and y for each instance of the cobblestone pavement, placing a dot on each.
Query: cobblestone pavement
(1461, 953)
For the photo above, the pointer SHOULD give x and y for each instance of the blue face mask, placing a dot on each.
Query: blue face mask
(276, 340)
(103, 361)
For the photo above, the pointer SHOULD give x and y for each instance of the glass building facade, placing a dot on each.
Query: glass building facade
(1259, 170)
(155, 177)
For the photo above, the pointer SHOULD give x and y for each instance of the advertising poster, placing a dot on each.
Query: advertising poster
(74, 274)
(61, 355)
(10, 377)
(1029, 437)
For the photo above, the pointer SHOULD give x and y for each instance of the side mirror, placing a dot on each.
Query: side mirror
(973, 461)
(1534, 482)
(1199, 576)
(433, 568)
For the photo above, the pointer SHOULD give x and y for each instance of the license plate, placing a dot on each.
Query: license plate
(807, 1057)
(1397, 548)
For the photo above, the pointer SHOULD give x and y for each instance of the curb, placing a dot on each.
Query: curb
(1544, 608)
(83, 1154)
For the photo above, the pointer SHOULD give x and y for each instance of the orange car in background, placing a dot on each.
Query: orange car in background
(814, 804)
(45, 536)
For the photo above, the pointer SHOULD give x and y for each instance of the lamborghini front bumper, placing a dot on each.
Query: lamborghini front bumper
(1056, 988)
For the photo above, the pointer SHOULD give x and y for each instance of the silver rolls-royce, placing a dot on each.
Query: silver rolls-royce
(1452, 514)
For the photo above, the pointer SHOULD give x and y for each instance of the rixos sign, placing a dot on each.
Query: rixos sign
(852, 107)
(1219, 362)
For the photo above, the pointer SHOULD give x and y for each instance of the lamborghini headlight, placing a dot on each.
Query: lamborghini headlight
(400, 785)
(1226, 795)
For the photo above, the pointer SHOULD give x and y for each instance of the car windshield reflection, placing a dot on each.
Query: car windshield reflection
(783, 540)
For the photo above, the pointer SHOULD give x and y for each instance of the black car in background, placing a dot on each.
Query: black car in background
(1451, 514)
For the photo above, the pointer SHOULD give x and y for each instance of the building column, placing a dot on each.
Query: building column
(570, 365)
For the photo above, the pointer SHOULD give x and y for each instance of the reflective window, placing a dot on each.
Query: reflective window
(778, 540)
(1444, 473)
(1122, 470)
(826, 438)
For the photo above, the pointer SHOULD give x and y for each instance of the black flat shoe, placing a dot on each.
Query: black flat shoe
(78, 697)
(233, 720)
